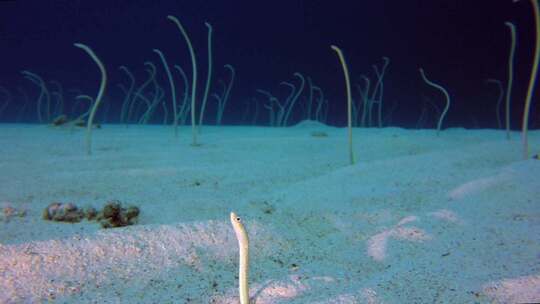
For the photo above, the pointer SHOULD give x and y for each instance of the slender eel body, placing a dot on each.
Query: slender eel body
(243, 244)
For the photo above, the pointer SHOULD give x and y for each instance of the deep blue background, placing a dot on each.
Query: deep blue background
(458, 42)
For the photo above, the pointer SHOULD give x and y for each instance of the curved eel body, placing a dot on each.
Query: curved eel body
(243, 244)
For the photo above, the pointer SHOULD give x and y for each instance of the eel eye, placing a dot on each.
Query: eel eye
(238, 219)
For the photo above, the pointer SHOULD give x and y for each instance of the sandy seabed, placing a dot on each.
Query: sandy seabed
(419, 218)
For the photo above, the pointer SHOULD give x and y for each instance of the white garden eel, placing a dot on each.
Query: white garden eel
(243, 244)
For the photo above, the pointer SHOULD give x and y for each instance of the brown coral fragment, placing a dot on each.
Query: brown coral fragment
(63, 212)
(114, 215)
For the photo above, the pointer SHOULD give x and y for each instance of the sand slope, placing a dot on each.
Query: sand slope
(419, 218)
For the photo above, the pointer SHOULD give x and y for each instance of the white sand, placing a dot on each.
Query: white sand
(418, 219)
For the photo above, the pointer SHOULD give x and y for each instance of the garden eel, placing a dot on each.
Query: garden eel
(243, 244)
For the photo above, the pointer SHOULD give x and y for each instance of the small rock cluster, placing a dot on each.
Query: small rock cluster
(318, 134)
(113, 214)
(63, 212)
(60, 120)
(8, 212)
(78, 122)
